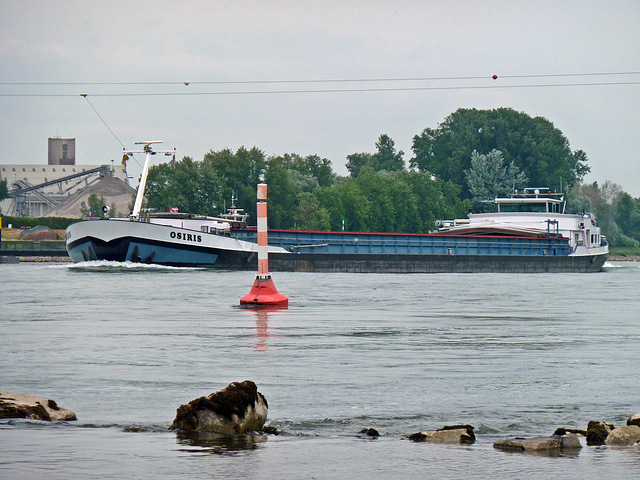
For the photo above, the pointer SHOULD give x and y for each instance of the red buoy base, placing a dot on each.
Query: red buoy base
(264, 292)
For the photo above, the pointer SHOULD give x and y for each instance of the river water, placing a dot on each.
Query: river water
(124, 345)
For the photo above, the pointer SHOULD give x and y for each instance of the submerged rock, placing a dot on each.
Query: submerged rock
(20, 405)
(624, 435)
(570, 431)
(271, 430)
(370, 432)
(446, 434)
(236, 409)
(597, 432)
(634, 420)
(539, 444)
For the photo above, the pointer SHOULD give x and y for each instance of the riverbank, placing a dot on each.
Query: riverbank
(45, 259)
(624, 258)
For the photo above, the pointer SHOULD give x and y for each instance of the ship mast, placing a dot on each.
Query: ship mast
(135, 214)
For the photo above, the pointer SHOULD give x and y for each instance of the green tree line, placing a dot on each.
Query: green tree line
(472, 155)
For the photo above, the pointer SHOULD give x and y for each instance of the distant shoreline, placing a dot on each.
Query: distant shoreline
(624, 258)
(45, 259)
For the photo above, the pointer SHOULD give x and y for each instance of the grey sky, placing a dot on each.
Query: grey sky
(229, 41)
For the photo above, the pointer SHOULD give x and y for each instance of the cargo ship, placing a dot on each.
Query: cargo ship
(528, 232)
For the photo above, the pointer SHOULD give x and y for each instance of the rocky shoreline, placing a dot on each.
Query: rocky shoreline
(45, 259)
(240, 409)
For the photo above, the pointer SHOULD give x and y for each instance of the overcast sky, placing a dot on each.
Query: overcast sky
(121, 52)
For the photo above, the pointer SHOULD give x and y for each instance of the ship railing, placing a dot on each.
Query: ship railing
(447, 224)
(144, 216)
(293, 248)
(550, 233)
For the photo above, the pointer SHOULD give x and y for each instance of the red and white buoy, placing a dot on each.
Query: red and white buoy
(264, 291)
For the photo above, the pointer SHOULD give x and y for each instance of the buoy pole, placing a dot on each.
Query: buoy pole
(264, 291)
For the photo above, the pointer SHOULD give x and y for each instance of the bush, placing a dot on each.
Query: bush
(625, 251)
(51, 222)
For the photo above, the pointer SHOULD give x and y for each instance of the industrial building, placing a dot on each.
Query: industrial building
(44, 190)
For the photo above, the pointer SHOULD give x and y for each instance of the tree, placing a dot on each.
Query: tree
(347, 205)
(237, 175)
(487, 178)
(95, 207)
(386, 158)
(534, 145)
(398, 202)
(356, 161)
(285, 185)
(189, 186)
(438, 200)
(579, 164)
(313, 166)
(613, 209)
(310, 215)
(627, 216)
(4, 190)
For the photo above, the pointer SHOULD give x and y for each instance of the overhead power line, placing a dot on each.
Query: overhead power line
(328, 80)
(108, 127)
(105, 123)
(322, 90)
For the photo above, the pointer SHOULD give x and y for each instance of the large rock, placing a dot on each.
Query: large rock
(624, 435)
(634, 420)
(597, 432)
(20, 405)
(236, 409)
(554, 443)
(447, 434)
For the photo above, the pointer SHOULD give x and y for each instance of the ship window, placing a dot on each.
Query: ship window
(523, 207)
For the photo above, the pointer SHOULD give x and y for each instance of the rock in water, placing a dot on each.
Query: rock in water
(447, 434)
(20, 405)
(553, 443)
(624, 435)
(561, 431)
(236, 409)
(597, 432)
(634, 420)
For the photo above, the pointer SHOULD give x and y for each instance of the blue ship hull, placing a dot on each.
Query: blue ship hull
(144, 251)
